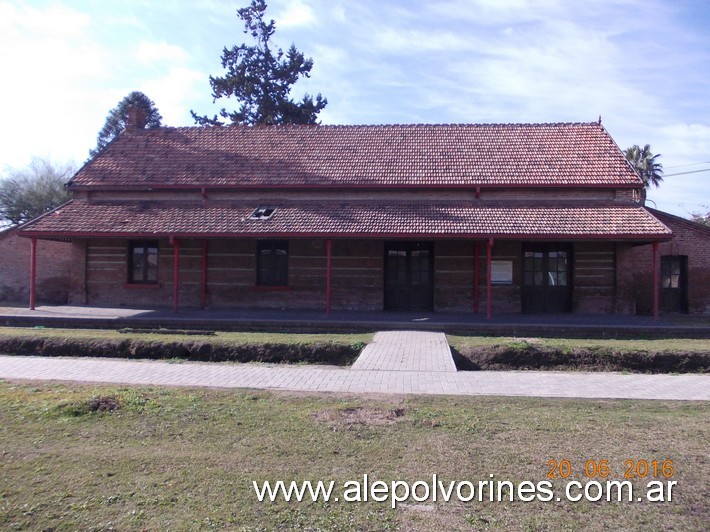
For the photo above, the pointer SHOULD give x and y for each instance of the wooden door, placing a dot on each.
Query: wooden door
(409, 276)
(674, 283)
(547, 278)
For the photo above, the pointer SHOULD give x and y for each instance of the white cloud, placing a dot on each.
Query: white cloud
(52, 64)
(296, 14)
(158, 52)
(173, 91)
(689, 143)
(413, 41)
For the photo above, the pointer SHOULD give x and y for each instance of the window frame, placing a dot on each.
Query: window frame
(145, 245)
(270, 272)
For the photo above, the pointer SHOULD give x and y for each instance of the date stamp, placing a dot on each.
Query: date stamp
(631, 469)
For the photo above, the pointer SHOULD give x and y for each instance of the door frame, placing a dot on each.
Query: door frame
(682, 284)
(540, 299)
(408, 246)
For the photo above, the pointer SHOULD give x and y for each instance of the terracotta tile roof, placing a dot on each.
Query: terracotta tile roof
(347, 219)
(395, 155)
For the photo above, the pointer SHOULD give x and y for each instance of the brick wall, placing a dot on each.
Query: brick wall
(603, 283)
(231, 276)
(594, 278)
(690, 240)
(454, 278)
(53, 267)
(357, 275)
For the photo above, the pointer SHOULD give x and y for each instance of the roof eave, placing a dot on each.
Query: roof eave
(335, 186)
(356, 235)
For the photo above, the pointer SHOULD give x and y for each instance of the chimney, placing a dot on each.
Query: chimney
(136, 118)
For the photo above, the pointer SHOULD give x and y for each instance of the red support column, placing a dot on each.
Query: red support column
(176, 274)
(656, 283)
(328, 271)
(204, 274)
(33, 271)
(489, 249)
(476, 279)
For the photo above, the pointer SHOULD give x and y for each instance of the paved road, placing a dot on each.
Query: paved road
(329, 379)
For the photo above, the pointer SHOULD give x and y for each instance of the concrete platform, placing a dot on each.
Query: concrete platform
(520, 325)
(406, 351)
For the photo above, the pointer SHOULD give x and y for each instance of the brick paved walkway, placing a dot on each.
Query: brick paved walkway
(329, 379)
(406, 351)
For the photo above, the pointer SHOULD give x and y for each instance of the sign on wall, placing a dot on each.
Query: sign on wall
(501, 272)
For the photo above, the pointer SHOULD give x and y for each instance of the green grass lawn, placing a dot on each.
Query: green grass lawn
(185, 459)
(164, 336)
(657, 345)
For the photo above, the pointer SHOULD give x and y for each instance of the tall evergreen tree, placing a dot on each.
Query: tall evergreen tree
(118, 116)
(646, 165)
(260, 77)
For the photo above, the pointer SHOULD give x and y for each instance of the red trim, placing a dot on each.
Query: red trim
(656, 282)
(263, 288)
(203, 299)
(328, 271)
(33, 272)
(476, 275)
(176, 274)
(142, 286)
(489, 249)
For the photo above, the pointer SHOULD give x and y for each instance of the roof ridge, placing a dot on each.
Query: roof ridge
(378, 126)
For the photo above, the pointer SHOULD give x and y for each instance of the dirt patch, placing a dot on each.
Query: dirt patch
(185, 332)
(347, 417)
(103, 403)
(195, 350)
(531, 356)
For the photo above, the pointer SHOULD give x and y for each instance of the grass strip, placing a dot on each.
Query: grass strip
(94, 457)
(337, 349)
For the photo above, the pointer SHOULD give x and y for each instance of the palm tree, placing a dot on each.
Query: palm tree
(646, 166)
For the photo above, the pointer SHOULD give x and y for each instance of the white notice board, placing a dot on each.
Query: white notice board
(502, 272)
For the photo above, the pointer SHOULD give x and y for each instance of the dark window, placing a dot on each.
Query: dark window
(272, 263)
(263, 213)
(674, 283)
(670, 272)
(534, 272)
(143, 262)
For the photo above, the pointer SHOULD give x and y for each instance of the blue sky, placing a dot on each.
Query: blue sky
(643, 65)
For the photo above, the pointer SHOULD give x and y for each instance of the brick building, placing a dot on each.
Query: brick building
(460, 218)
(685, 269)
(53, 269)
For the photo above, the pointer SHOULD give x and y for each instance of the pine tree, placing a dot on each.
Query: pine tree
(118, 116)
(261, 77)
